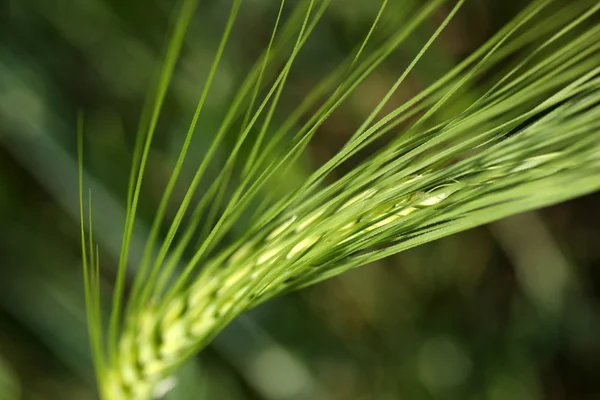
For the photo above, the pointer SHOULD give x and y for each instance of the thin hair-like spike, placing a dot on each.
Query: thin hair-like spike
(181, 280)
(144, 280)
(91, 281)
(185, 14)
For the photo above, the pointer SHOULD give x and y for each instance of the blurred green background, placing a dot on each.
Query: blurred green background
(505, 311)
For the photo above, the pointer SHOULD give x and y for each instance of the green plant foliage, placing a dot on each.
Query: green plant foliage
(444, 164)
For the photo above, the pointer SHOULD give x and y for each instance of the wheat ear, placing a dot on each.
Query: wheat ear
(531, 140)
(291, 253)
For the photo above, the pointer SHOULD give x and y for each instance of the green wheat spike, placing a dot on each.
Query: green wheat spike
(532, 139)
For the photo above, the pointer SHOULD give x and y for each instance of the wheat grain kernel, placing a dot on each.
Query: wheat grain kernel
(309, 220)
(367, 194)
(433, 200)
(200, 291)
(153, 368)
(173, 312)
(281, 228)
(141, 390)
(234, 278)
(175, 333)
(406, 211)
(147, 351)
(267, 255)
(384, 222)
(129, 374)
(205, 322)
(241, 253)
(302, 245)
(114, 389)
